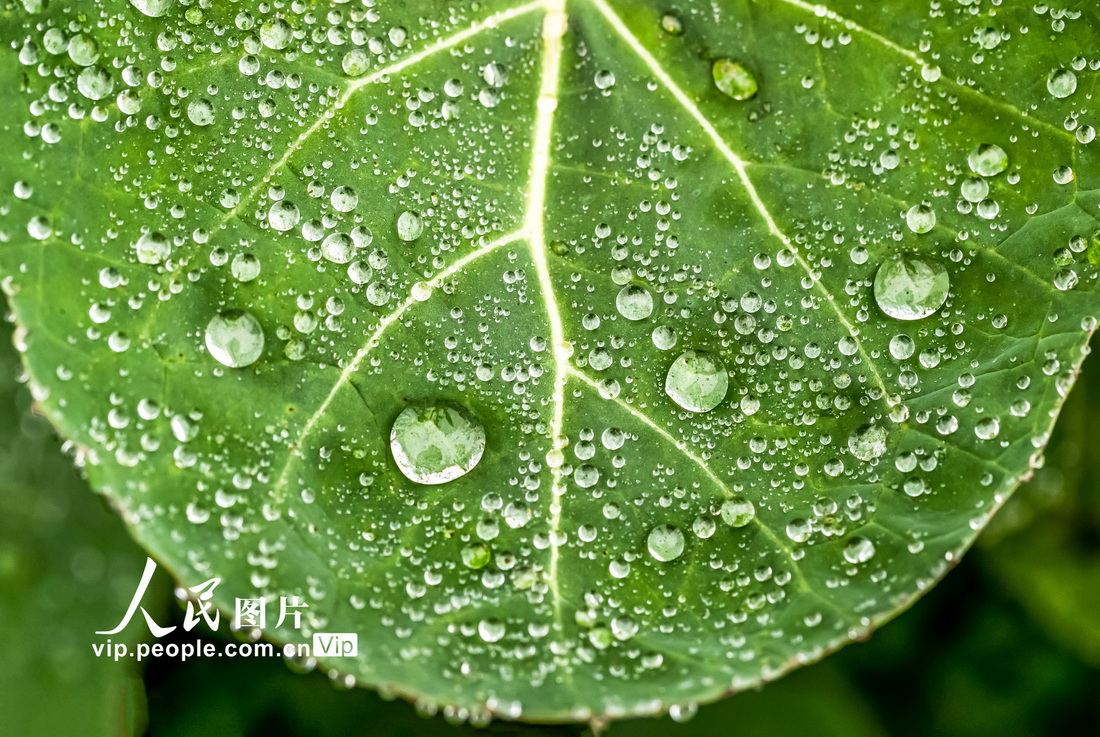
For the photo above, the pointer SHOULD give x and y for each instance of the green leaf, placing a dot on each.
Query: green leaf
(67, 568)
(244, 239)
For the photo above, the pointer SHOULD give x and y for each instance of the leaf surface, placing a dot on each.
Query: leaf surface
(872, 281)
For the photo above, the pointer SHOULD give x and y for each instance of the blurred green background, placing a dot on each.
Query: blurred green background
(1008, 644)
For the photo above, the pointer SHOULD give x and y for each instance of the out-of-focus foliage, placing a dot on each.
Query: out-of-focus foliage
(67, 568)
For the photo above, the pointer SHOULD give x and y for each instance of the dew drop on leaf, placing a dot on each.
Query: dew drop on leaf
(409, 226)
(152, 248)
(987, 160)
(634, 302)
(665, 543)
(283, 215)
(920, 218)
(910, 287)
(859, 550)
(1062, 83)
(734, 80)
(153, 8)
(868, 442)
(200, 112)
(433, 443)
(235, 338)
(671, 24)
(697, 381)
(738, 511)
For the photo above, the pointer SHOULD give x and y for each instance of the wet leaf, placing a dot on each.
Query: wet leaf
(245, 239)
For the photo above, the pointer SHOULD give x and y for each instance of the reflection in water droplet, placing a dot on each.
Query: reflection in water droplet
(671, 24)
(433, 443)
(737, 511)
(1062, 83)
(409, 226)
(987, 160)
(152, 248)
(734, 80)
(235, 338)
(634, 303)
(697, 381)
(868, 442)
(909, 287)
(153, 8)
(665, 543)
(859, 550)
(920, 218)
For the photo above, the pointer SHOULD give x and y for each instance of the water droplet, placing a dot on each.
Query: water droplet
(235, 338)
(356, 63)
(910, 287)
(200, 112)
(987, 160)
(153, 8)
(94, 83)
(902, 346)
(410, 226)
(1062, 83)
(344, 199)
(868, 442)
(697, 381)
(283, 215)
(605, 79)
(859, 550)
(974, 189)
(665, 543)
(634, 302)
(737, 511)
(433, 443)
(152, 248)
(671, 24)
(920, 218)
(734, 80)
(338, 248)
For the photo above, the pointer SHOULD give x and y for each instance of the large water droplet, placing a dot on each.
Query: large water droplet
(437, 442)
(697, 381)
(283, 215)
(1062, 83)
(153, 8)
(987, 160)
(665, 543)
(909, 287)
(734, 80)
(409, 226)
(868, 442)
(235, 338)
(859, 550)
(634, 302)
(920, 218)
(152, 248)
(737, 511)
